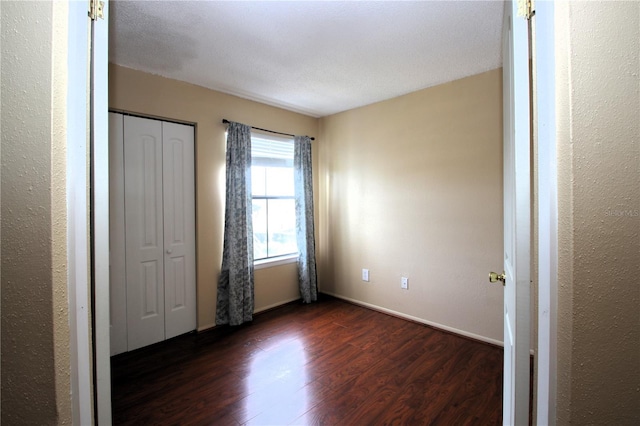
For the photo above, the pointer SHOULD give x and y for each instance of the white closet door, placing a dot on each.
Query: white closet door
(117, 276)
(179, 229)
(144, 231)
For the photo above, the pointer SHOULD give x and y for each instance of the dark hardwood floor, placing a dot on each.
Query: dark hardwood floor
(328, 363)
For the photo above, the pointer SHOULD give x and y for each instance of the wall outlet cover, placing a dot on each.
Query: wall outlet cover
(404, 283)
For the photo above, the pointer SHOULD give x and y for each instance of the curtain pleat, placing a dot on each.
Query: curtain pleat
(303, 184)
(235, 301)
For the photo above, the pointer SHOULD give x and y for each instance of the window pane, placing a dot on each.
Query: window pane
(258, 180)
(282, 227)
(279, 181)
(259, 229)
(272, 176)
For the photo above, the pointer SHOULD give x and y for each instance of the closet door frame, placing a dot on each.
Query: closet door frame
(118, 290)
(117, 259)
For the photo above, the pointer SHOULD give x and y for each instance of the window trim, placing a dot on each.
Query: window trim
(269, 262)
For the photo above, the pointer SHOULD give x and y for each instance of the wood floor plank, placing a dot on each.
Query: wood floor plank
(328, 363)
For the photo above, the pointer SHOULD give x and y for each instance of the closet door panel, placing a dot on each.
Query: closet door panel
(117, 277)
(144, 231)
(179, 229)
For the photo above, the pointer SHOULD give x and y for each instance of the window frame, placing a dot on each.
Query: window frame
(281, 259)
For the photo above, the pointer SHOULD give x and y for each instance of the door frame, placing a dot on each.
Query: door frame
(547, 224)
(80, 338)
(99, 96)
(88, 251)
(544, 73)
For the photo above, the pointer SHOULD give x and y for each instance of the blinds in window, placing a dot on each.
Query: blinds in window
(271, 152)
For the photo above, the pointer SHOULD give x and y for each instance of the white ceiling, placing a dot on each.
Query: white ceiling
(313, 57)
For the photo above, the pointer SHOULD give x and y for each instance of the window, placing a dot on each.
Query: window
(274, 220)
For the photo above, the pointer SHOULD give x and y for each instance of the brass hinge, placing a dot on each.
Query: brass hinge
(525, 9)
(96, 9)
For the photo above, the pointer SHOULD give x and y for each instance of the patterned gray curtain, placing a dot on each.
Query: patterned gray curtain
(235, 286)
(303, 183)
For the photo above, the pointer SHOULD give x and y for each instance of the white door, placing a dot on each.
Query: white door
(516, 216)
(144, 231)
(179, 229)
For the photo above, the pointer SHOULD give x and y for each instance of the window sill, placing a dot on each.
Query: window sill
(275, 261)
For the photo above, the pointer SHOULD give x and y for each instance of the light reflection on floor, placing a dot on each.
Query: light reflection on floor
(277, 382)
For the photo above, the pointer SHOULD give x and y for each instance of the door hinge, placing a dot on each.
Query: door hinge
(525, 9)
(96, 9)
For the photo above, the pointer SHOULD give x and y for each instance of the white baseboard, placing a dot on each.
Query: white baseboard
(419, 320)
(384, 310)
(255, 311)
(275, 305)
(205, 327)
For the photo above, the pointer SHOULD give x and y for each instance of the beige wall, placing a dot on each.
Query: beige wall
(276, 285)
(35, 324)
(598, 104)
(412, 187)
(147, 94)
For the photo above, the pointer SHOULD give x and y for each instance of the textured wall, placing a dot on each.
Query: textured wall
(412, 187)
(143, 93)
(60, 296)
(599, 206)
(35, 355)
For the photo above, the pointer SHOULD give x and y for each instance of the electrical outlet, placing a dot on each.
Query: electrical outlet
(365, 275)
(404, 283)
